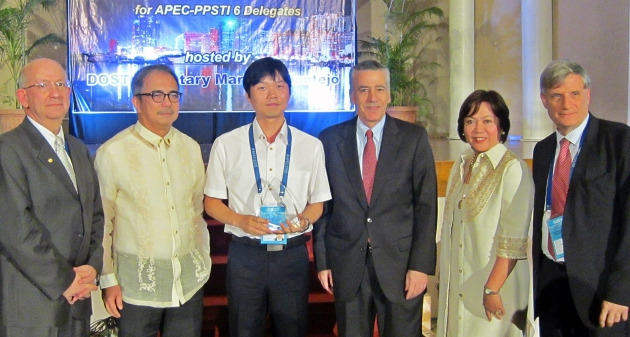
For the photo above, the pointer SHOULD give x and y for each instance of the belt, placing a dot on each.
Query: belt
(291, 243)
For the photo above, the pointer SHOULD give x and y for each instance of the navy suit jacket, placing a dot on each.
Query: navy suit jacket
(596, 225)
(46, 229)
(400, 221)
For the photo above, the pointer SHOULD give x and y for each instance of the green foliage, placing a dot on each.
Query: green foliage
(14, 51)
(410, 28)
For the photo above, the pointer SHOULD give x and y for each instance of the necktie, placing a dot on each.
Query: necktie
(369, 165)
(60, 149)
(560, 183)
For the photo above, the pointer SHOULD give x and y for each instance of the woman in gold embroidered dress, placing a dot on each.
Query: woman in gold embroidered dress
(484, 277)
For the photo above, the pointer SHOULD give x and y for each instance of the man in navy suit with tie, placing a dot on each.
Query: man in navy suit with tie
(375, 244)
(581, 233)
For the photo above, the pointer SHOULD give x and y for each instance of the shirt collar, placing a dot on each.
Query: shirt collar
(260, 135)
(48, 135)
(576, 134)
(151, 137)
(495, 154)
(377, 130)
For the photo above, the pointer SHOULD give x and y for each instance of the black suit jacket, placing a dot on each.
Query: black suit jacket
(46, 228)
(401, 220)
(596, 226)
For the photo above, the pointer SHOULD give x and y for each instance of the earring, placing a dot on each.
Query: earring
(503, 133)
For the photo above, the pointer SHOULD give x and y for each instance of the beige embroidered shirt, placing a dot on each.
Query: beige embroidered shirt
(156, 244)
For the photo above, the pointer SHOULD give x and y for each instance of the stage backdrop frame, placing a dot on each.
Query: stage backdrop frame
(209, 45)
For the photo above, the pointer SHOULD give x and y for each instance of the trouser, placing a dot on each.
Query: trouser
(143, 321)
(261, 282)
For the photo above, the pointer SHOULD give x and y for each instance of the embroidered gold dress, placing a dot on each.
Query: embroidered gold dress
(486, 218)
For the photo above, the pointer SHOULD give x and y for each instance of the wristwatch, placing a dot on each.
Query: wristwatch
(488, 291)
(308, 224)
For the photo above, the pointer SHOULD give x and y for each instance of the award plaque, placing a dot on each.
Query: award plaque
(277, 205)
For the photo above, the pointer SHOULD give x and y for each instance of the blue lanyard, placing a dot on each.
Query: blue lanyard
(550, 177)
(287, 160)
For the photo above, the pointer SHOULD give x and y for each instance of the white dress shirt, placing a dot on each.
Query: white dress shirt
(230, 173)
(47, 134)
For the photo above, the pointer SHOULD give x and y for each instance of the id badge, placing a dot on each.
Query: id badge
(273, 239)
(555, 231)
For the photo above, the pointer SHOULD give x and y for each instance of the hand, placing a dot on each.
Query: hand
(87, 274)
(325, 278)
(493, 305)
(612, 313)
(253, 225)
(82, 285)
(415, 283)
(112, 298)
(296, 227)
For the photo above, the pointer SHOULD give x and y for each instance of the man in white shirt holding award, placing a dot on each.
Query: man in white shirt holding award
(268, 171)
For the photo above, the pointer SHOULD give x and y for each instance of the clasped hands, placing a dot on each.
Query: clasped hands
(83, 284)
(257, 226)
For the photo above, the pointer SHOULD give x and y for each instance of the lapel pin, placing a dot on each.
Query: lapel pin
(50, 160)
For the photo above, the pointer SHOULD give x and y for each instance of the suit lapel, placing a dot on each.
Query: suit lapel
(390, 144)
(590, 133)
(547, 154)
(347, 148)
(82, 170)
(47, 156)
(78, 162)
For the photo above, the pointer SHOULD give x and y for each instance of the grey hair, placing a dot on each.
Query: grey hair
(368, 65)
(557, 71)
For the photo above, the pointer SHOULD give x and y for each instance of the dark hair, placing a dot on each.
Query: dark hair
(557, 71)
(138, 79)
(264, 67)
(368, 65)
(497, 105)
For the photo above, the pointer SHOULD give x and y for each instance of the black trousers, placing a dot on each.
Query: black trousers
(356, 317)
(261, 283)
(144, 321)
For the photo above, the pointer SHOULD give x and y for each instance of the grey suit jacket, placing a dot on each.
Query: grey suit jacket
(596, 225)
(400, 221)
(46, 228)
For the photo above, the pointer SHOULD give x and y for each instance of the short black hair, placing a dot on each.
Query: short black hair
(138, 79)
(497, 105)
(261, 68)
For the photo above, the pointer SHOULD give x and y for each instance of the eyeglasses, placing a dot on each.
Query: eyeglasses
(158, 96)
(48, 85)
